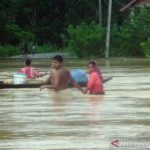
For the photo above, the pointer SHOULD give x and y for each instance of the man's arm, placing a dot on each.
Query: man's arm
(76, 85)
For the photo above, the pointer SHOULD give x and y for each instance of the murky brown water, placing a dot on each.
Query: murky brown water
(34, 120)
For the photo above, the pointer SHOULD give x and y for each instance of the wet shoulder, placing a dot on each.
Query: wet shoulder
(65, 72)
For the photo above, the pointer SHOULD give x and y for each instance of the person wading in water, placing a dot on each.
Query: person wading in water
(60, 76)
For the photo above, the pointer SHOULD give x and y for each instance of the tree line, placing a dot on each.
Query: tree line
(73, 26)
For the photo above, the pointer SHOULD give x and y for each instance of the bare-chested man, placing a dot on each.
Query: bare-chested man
(60, 76)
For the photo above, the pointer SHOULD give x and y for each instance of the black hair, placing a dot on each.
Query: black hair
(28, 62)
(58, 58)
(92, 63)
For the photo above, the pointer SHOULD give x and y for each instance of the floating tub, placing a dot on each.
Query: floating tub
(20, 78)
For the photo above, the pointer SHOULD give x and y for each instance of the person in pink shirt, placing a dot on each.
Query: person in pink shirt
(95, 82)
(31, 72)
(98, 70)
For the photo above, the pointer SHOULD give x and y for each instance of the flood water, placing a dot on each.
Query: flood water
(31, 119)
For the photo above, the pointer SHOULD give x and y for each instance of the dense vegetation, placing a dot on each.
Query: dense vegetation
(73, 26)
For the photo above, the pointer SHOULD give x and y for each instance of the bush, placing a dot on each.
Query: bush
(47, 48)
(16, 35)
(122, 41)
(9, 50)
(126, 40)
(145, 46)
(86, 40)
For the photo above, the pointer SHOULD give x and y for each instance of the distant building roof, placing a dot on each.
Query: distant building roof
(136, 3)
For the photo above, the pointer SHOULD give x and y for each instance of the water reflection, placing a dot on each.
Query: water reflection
(94, 117)
(95, 109)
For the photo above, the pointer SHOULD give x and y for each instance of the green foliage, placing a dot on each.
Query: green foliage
(46, 23)
(145, 46)
(16, 35)
(86, 40)
(82, 10)
(9, 50)
(126, 40)
(47, 20)
(47, 48)
(122, 41)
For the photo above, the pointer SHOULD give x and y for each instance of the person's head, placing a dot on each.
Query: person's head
(28, 62)
(91, 66)
(57, 62)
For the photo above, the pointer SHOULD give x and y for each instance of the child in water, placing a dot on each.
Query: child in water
(31, 72)
(95, 82)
